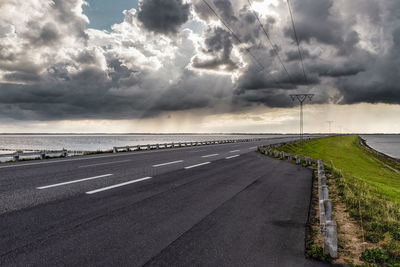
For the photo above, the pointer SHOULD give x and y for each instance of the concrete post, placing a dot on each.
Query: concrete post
(322, 218)
(282, 155)
(42, 155)
(325, 192)
(115, 150)
(321, 180)
(138, 147)
(128, 149)
(298, 159)
(16, 157)
(65, 153)
(330, 239)
(148, 147)
(328, 209)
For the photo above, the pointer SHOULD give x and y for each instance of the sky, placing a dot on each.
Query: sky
(174, 66)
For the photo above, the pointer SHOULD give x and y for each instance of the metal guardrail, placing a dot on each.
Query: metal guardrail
(328, 226)
(64, 153)
(117, 149)
(39, 154)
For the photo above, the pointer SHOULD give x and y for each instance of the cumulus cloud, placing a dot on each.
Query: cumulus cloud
(54, 66)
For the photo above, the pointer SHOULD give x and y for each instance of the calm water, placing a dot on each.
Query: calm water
(388, 144)
(100, 142)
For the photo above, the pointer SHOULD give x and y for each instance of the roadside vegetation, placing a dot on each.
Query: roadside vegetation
(367, 183)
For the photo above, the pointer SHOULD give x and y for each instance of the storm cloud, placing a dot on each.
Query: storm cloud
(163, 16)
(53, 66)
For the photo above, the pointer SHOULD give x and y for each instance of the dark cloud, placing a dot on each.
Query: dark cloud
(225, 10)
(51, 69)
(163, 16)
(380, 82)
(293, 55)
(218, 49)
(47, 35)
(340, 70)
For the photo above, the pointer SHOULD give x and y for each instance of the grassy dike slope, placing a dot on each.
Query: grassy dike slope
(361, 175)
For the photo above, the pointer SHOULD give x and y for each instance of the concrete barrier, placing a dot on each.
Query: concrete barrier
(298, 159)
(328, 227)
(37, 154)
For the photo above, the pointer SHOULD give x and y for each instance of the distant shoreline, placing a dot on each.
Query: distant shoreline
(363, 142)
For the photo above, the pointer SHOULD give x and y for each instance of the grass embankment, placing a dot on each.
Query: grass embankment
(362, 175)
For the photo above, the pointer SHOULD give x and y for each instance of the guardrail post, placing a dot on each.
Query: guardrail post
(42, 155)
(330, 239)
(324, 191)
(115, 150)
(328, 209)
(16, 157)
(128, 149)
(298, 159)
(148, 147)
(65, 153)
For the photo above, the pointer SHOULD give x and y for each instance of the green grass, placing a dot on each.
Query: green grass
(361, 175)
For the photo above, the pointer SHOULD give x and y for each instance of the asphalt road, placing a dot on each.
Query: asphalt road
(216, 205)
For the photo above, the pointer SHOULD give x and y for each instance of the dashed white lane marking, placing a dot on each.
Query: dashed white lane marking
(74, 181)
(117, 185)
(233, 151)
(231, 157)
(167, 163)
(197, 165)
(253, 147)
(212, 155)
(105, 163)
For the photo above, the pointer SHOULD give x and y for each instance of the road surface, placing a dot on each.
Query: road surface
(216, 205)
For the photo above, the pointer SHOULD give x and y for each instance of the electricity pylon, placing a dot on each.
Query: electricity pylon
(301, 98)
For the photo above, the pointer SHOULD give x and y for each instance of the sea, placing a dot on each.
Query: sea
(9, 143)
(79, 142)
(388, 144)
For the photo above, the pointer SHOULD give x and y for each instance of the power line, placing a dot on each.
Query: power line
(270, 41)
(240, 41)
(297, 40)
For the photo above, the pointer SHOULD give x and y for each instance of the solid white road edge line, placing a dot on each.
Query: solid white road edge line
(167, 163)
(117, 185)
(233, 151)
(253, 147)
(212, 155)
(105, 163)
(231, 157)
(197, 165)
(74, 181)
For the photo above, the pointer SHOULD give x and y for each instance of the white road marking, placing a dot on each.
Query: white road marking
(231, 157)
(212, 155)
(197, 165)
(117, 185)
(253, 147)
(105, 163)
(98, 157)
(73, 181)
(233, 151)
(167, 163)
